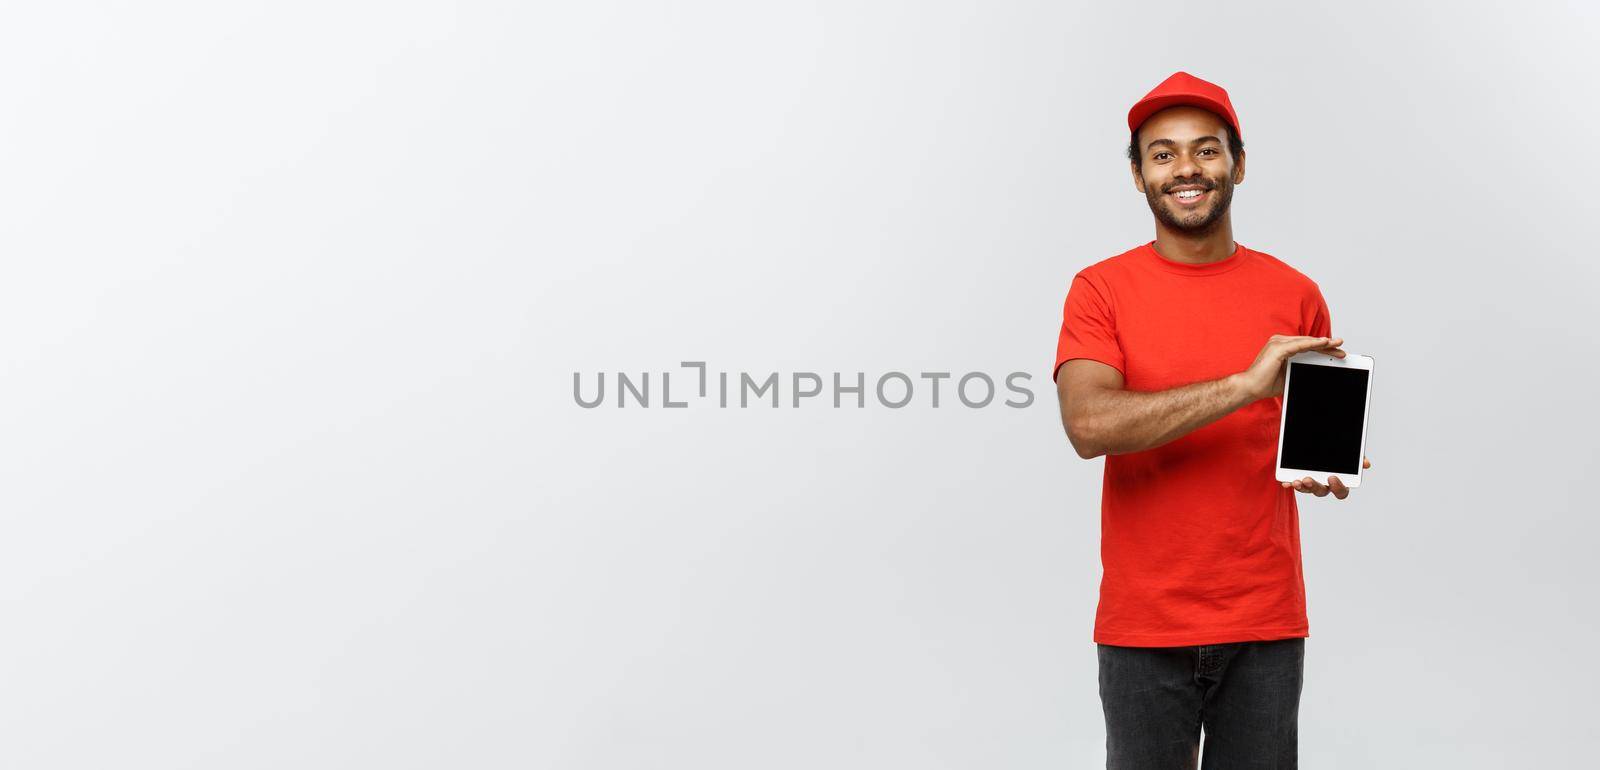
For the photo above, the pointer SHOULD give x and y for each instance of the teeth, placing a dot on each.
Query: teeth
(1190, 193)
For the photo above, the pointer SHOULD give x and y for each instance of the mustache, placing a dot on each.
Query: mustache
(1205, 183)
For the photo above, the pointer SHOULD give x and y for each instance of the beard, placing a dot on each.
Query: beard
(1192, 222)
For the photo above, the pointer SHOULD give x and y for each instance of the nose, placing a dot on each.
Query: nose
(1186, 167)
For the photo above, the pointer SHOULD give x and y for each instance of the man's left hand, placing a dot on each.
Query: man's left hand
(1334, 485)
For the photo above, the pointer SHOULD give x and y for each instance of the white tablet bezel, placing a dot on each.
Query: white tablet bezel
(1350, 361)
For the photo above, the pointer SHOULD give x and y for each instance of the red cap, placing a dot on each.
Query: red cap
(1183, 88)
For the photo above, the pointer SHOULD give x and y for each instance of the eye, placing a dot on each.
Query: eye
(1158, 155)
(1209, 149)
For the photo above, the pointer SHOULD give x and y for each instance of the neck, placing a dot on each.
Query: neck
(1194, 248)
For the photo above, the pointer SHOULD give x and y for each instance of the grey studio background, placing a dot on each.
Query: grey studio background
(293, 475)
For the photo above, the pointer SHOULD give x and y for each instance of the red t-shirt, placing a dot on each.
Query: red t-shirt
(1199, 543)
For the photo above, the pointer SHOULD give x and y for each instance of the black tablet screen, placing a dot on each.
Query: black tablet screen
(1322, 420)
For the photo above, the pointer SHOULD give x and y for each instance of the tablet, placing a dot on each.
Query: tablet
(1323, 429)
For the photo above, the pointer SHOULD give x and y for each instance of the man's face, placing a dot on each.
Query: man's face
(1186, 148)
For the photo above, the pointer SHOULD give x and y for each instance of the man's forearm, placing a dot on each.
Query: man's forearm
(1123, 421)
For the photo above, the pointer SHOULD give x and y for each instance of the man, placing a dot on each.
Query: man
(1171, 364)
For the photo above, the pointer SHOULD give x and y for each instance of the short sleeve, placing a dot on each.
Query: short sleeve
(1088, 328)
(1320, 325)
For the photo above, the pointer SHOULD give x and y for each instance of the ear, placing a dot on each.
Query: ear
(1138, 178)
(1238, 169)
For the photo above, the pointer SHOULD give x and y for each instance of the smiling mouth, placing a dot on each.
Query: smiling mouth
(1190, 197)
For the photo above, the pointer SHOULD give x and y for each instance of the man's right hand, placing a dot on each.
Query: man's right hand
(1264, 378)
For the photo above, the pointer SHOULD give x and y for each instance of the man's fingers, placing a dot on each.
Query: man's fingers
(1301, 344)
(1318, 489)
(1312, 343)
(1365, 463)
(1310, 485)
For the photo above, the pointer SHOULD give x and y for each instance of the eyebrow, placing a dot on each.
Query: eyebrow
(1195, 143)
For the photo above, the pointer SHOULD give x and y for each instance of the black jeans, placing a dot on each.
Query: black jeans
(1246, 695)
